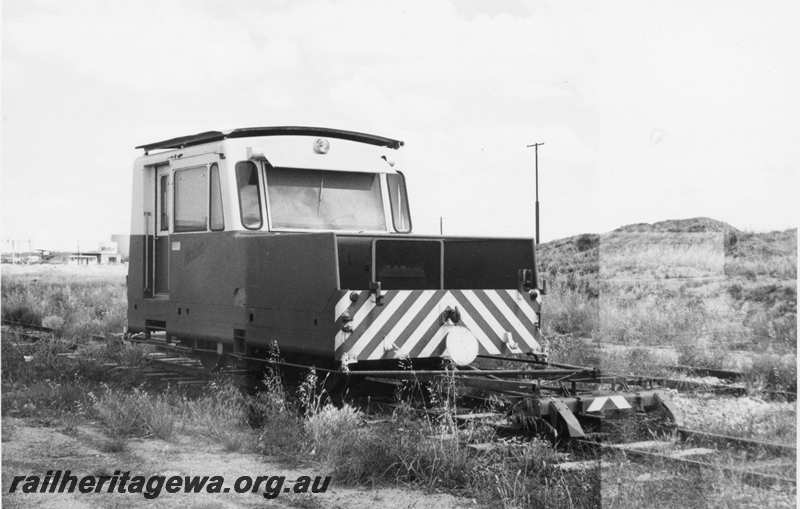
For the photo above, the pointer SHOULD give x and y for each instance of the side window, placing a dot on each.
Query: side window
(162, 203)
(215, 199)
(191, 202)
(249, 194)
(398, 198)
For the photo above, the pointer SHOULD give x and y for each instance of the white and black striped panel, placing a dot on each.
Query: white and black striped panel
(408, 323)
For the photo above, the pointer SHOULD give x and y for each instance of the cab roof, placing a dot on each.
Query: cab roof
(245, 132)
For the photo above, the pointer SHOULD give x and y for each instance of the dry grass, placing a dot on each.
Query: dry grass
(699, 287)
(748, 417)
(637, 486)
(662, 255)
(436, 455)
(656, 285)
(135, 413)
(78, 301)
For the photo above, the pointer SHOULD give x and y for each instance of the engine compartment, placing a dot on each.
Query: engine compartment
(431, 263)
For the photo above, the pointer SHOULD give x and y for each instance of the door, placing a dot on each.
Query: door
(161, 234)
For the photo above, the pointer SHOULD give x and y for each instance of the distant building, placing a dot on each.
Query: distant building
(26, 257)
(107, 253)
(83, 259)
(94, 258)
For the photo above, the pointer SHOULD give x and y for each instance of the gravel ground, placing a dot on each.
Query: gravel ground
(746, 416)
(30, 448)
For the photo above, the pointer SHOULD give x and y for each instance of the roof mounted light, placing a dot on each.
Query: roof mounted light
(390, 162)
(321, 146)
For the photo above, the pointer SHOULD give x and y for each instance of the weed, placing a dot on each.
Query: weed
(135, 413)
(280, 426)
(311, 393)
(328, 425)
(773, 371)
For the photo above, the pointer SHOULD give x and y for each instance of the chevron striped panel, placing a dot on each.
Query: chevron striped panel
(408, 322)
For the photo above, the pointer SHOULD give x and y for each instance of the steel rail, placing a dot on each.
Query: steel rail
(734, 390)
(752, 477)
(692, 435)
(724, 374)
(12, 323)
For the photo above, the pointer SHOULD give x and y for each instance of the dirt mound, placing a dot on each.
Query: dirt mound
(673, 279)
(691, 225)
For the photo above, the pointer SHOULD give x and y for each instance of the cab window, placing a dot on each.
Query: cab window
(215, 200)
(249, 194)
(324, 199)
(163, 186)
(398, 199)
(191, 212)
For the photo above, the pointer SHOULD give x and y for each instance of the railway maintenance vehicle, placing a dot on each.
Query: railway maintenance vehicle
(301, 237)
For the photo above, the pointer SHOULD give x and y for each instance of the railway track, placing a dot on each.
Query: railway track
(755, 462)
(183, 359)
(683, 452)
(29, 333)
(161, 368)
(182, 367)
(766, 464)
(685, 385)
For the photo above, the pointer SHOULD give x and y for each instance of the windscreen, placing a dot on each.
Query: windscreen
(329, 200)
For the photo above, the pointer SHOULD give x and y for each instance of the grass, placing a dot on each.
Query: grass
(714, 295)
(425, 451)
(653, 284)
(76, 301)
(409, 450)
(434, 453)
(135, 413)
(626, 486)
(748, 417)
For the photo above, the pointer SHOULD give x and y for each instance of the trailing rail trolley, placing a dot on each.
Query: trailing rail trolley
(301, 237)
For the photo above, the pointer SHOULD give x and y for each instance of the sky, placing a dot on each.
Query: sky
(648, 110)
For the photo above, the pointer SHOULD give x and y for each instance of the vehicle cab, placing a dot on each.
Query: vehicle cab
(302, 236)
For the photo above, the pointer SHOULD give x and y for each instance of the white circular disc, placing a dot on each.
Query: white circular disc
(461, 345)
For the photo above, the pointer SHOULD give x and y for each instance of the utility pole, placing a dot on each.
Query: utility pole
(441, 225)
(536, 169)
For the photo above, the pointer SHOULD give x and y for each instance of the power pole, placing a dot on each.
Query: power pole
(441, 225)
(536, 170)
